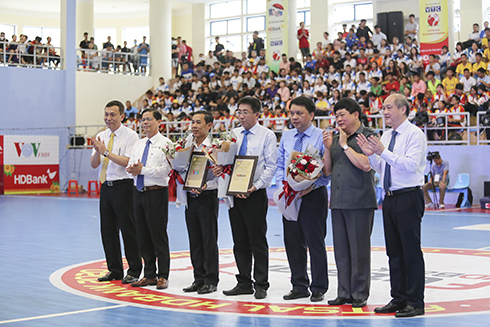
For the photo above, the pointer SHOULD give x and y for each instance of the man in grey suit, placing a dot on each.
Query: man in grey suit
(352, 202)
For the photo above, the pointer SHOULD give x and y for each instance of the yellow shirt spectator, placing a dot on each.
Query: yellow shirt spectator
(477, 66)
(460, 69)
(450, 84)
(486, 55)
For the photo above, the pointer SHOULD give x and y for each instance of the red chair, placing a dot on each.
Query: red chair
(95, 190)
(74, 183)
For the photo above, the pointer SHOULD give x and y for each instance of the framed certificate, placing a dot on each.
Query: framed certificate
(196, 176)
(242, 175)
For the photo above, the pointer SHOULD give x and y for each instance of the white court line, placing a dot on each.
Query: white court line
(41, 197)
(484, 249)
(62, 314)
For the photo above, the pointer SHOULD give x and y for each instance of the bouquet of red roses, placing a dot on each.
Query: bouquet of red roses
(223, 149)
(178, 154)
(303, 170)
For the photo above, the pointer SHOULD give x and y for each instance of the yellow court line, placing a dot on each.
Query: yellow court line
(62, 314)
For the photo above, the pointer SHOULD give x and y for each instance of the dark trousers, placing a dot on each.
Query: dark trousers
(201, 217)
(116, 214)
(402, 216)
(249, 228)
(352, 248)
(151, 213)
(308, 233)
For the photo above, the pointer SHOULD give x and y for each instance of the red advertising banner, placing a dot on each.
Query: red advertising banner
(434, 27)
(21, 179)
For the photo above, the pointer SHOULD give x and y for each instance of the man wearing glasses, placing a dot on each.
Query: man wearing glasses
(248, 216)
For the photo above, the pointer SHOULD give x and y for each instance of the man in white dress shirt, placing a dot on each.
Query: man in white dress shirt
(149, 168)
(112, 148)
(248, 216)
(399, 157)
(201, 214)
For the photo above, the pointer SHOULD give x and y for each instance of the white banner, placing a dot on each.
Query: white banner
(31, 150)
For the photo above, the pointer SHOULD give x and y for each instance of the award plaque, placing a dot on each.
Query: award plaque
(242, 175)
(196, 175)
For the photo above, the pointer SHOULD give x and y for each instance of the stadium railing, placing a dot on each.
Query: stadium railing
(112, 62)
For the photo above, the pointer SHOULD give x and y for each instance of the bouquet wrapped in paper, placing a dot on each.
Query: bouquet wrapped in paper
(178, 156)
(303, 170)
(222, 152)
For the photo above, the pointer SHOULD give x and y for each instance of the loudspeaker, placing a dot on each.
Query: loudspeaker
(486, 189)
(395, 26)
(77, 141)
(382, 21)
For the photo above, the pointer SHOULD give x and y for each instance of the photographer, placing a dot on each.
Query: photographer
(439, 177)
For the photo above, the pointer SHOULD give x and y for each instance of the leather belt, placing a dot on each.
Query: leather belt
(119, 181)
(403, 190)
(152, 188)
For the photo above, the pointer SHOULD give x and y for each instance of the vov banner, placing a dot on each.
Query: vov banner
(433, 27)
(30, 164)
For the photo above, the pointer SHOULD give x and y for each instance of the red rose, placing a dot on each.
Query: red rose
(307, 158)
(178, 147)
(293, 161)
(300, 166)
(311, 167)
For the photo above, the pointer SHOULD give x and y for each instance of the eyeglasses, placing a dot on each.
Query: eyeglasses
(239, 112)
(148, 119)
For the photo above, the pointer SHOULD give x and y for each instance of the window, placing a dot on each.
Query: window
(234, 22)
(255, 6)
(256, 23)
(8, 29)
(101, 34)
(43, 32)
(223, 27)
(303, 16)
(225, 9)
(129, 34)
(303, 3)
(354, 12)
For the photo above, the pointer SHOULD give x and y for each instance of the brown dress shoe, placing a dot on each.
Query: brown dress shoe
(162, 284)
(145, 282)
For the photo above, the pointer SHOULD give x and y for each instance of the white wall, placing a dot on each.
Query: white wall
(95, 90)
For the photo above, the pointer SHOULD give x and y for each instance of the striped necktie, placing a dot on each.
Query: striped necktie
(298, 145)
(387, 178)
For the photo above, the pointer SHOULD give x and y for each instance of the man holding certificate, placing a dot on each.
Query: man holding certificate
(248, 216)
(310, 228)
(149, 168)
(201, 213)
(352, 203)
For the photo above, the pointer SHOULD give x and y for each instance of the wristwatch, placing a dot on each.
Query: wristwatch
(106, 153)
(345, 147)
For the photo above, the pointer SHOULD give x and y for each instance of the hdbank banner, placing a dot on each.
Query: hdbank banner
(277, 32)
(433, 27)
(30, 164)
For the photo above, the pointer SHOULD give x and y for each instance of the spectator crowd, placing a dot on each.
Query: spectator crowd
(27, 52)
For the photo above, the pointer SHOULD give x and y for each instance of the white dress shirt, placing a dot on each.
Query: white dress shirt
(124, 139)
(211, 180)
(261, 142)
(156, 169)
(407, 160)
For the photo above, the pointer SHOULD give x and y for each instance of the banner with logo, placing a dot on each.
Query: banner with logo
(30, 164)
(434, 27)
(277, 32)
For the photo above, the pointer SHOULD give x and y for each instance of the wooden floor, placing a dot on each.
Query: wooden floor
(51, 254)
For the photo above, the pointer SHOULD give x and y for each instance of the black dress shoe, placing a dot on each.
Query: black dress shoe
(316, 297)
(193, 288)
(390, 307)
(359, 303)
(108, 277)
(339, 301)
(409, 311)
(207, 288)
(295, 294)
(237, 290)
(260, 294)
(129, 279)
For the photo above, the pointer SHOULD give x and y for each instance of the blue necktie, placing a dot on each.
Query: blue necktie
(140, 181)
(243, 147)
(387, 178)
(298, 145)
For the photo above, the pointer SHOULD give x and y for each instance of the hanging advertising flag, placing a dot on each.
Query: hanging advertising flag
(277, 32)
(434, 27)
